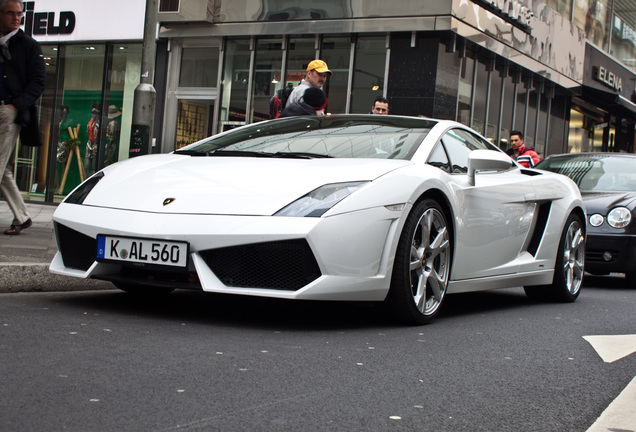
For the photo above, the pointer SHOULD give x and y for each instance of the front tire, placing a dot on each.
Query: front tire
(568, 268)
(422, 265)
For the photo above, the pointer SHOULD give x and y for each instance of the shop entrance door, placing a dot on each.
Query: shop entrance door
(194, 121)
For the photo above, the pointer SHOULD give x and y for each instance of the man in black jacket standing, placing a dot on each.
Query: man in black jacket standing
(22, 81)
(313, 102)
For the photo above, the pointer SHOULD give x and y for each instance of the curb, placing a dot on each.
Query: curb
(35, 277)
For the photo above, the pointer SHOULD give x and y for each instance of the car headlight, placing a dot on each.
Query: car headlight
(619, 217)
(81, 192)
(318, 201)
(596, 220)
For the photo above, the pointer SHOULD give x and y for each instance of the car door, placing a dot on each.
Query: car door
(494, 217)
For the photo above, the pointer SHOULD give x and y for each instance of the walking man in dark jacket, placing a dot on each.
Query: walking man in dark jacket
(22, 81)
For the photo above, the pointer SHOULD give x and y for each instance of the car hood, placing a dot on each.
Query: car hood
(602, 202)
(224, 185)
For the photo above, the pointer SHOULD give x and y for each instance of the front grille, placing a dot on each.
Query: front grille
(597, 257)
(284, 265)
(78, 250)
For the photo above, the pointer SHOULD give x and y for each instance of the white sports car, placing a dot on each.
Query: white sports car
(400, 210)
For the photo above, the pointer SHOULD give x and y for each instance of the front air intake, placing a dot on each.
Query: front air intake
(283, 265)
(78, 250)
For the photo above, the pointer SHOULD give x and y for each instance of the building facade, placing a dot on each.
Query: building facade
(493, 65)
(560, 71)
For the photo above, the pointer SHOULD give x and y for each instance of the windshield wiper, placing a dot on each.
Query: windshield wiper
(192, 152)
(290, 155)
(242, 153)
(300, 155)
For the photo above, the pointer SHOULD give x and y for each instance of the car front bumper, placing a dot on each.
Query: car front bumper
(343, 257)
(606, 253)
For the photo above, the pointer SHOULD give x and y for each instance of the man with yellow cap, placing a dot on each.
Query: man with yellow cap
(317, 73)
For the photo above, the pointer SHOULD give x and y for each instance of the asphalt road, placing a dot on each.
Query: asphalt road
(495, 361)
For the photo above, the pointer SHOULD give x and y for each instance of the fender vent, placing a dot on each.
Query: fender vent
(539, 228)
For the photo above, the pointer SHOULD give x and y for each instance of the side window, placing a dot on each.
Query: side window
(459, 143)
(439, 159)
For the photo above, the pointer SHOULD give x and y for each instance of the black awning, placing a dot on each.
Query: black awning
(612, 102)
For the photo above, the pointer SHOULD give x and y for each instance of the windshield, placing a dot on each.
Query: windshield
(596, 173)
(320, 136)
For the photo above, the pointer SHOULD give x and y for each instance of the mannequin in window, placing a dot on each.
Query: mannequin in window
(64, 137)
(92, 145)
(112, 135)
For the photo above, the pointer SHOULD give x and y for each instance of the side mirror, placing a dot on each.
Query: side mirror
(487, 160)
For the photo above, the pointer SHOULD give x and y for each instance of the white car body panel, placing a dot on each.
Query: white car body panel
(250, 186)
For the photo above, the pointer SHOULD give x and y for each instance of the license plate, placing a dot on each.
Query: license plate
(138, 250)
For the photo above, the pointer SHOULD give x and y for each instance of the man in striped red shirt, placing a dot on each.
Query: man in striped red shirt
(518, 151)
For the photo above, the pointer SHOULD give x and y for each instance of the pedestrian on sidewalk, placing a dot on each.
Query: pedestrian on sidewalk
(22, 81)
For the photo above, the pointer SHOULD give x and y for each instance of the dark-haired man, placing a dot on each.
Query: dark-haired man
(380, 106)
(518, 151)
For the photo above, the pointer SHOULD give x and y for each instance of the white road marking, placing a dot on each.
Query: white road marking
(620, 414)
(612, 348)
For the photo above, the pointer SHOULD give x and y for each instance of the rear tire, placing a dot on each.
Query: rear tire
(568, 268)
(422, 265)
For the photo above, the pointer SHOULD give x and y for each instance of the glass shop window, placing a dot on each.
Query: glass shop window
(368, 73)
(267, 79)
(194, 121)
(508, 109)
(169, 6)
(235, 84)
(199, 67)
(465, 92)
(623, 37)
(300, 52)
(540, 144)
(494, 106)
(117, 110)
(481, 94)
(586, 129)
(81, 94)
(523, 88)
(30, 163)
(336, 51)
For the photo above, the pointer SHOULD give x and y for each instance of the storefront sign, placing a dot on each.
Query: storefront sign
(42, 23)
(607, 78)
(72, 20)
(513, 11)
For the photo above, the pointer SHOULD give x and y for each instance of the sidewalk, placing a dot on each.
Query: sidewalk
(25, 258)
